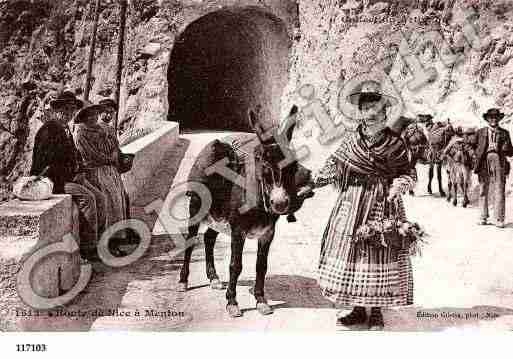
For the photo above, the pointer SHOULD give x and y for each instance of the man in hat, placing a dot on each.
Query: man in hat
(53, 144)
(371, 169)
(492, 166)
(55, 156)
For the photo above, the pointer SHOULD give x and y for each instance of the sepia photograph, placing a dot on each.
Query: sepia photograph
(277, 166)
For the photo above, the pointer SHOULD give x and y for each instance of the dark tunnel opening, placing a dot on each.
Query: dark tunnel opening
(225, 63)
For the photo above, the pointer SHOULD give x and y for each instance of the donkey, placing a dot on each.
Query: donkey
(459, 159)
(439, 136)
(415, 136)
(278, 184)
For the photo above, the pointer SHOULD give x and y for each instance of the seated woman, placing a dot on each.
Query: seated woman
(104, 120)
(101, 155)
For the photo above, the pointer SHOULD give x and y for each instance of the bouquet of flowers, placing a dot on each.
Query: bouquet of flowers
(392, 233)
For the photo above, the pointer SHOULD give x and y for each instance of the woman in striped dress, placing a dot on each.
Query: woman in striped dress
(100, 153)
(371, 169)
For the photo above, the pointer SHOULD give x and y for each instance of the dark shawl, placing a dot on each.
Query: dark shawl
(55, 149)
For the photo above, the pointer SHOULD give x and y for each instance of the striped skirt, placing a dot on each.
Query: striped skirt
(350, 275)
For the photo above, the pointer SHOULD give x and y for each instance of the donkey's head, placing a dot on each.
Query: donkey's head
(279, 173)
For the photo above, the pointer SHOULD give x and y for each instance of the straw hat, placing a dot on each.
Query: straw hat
(370, 91)
(88, 110)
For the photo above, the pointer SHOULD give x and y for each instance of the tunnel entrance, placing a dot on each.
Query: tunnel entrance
(225, 63)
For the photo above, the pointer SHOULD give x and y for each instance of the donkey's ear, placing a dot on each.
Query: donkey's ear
(255, 125)
(289, 124)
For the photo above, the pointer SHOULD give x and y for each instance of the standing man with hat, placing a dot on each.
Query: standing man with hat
(492, 166)
(56, 157)
(370, 170)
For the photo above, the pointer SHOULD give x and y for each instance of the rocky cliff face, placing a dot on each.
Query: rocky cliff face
(337, 45)
(328, 43)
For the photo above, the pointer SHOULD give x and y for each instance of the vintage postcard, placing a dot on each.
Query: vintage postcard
(276, 165)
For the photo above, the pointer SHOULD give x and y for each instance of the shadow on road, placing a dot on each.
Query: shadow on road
(293, 291)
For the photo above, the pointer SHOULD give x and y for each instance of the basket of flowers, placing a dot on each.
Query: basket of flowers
(392, 233)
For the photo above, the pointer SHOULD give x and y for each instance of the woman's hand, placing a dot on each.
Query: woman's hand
(305, 192)
(393, 194)
(79, 177)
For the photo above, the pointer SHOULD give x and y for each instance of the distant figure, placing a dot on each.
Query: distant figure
(101, 158)
(458, 137)
(439, 136)
(492, 166)
(458, 158)
(55, 154)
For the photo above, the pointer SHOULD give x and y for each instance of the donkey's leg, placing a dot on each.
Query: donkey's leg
(439, 178)
(455, 186)
(449, 186)
(235, 270)
(194, 207)
(431, 173)
(466, 181)
(209, 238)
(264, 243)
(184, 272)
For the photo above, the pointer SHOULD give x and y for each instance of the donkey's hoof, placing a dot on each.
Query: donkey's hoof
(455, 204)
(182, 287)
(442, 194)
(216, 284)
(233, 310)
(264, 308)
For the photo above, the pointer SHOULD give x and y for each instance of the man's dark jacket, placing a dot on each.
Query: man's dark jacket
(54, 147)
(504, 146)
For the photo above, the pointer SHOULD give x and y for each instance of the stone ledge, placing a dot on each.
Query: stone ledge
(149, 151)
(25, 227)
(48, 220)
